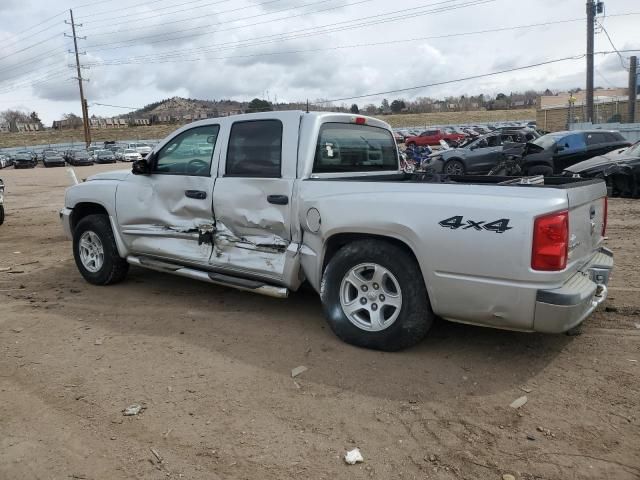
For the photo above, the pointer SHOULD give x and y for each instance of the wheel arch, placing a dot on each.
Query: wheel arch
(84, 209)
(338, 240)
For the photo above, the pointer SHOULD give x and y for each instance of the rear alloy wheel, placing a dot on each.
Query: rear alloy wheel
(454, 167)
(371, 297)
(374, 296)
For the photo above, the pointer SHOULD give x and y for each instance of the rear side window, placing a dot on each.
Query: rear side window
(255, 149)
(572, 143)
(596, 138)
(344, 147)
(614, 137)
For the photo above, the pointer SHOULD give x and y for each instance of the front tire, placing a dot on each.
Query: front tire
(96, 253)
(1, 214)
(374, 296)
(454, 167)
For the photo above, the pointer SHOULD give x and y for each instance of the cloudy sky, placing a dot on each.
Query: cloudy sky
(140, 51)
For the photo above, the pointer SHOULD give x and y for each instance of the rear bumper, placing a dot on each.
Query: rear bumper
(561, 309)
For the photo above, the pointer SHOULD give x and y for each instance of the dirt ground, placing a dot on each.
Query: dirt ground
(213, 366)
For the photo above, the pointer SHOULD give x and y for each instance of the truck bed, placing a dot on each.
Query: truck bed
(548, 182)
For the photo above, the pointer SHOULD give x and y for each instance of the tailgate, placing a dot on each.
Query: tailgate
(587, 217)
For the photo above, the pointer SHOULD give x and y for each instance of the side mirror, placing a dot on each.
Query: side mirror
(141, 167)
(559, 148)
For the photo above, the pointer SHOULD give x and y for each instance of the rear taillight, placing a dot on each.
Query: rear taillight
(605, 215)
(550, 242)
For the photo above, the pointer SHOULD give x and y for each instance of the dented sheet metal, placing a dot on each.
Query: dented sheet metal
(157, 218)
(251, 233)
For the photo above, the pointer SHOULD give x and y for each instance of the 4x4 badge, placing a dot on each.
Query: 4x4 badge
(497, 226)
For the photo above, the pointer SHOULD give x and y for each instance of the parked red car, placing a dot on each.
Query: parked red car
(433, 137)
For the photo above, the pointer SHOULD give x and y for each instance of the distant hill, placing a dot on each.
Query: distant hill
(178, 107)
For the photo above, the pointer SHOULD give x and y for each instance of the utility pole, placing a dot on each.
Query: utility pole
(83, 101)
(591, 18)
(633, 88)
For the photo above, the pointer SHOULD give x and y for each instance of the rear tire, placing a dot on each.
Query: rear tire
(390, 309)
(540, 170)
(96, 253)
(1, 214)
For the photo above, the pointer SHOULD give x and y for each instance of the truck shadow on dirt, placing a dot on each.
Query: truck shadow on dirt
(455, 360)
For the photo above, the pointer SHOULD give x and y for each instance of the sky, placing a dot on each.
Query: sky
(141, 51)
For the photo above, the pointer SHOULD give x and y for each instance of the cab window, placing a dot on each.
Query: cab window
(344, 147)
(188, 153)
(255, 149)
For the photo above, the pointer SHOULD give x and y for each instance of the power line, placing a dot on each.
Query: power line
(30, 46)
(164, 59)
(463, 79)
(155, 25)
(292, 35)
(126, 43)
(314, 30)
(101, 20)
(24, 30)
(612, 45)
(116, 106)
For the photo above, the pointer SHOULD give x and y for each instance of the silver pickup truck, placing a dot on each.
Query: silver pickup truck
(282, 198)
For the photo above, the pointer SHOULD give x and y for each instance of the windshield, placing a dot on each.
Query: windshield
(104, 152)
(634, 150)
(546, 141)
(344, 147)
(130, 150)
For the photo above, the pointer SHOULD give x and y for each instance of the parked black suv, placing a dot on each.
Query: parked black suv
(554, 152)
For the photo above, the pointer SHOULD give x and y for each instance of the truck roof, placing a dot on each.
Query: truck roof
(282, 114)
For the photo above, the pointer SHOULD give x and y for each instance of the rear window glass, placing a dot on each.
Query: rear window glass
(344, 147)
(596, 138)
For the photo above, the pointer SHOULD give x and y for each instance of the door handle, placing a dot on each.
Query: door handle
(278, 199)
(197, 194)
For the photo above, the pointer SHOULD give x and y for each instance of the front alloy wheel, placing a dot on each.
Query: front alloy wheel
(91, 251)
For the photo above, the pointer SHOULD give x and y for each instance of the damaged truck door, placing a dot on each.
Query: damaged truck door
(252, 199)
(168, 212)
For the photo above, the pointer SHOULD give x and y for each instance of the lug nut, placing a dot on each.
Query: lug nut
(365, 288)
(381, 297)
(374, 306)
(376, 286)
(363, 301)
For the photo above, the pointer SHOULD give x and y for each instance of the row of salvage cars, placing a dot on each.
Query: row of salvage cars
(587, 154)
(75, 157)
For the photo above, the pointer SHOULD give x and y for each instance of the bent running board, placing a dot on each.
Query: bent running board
(210, 277)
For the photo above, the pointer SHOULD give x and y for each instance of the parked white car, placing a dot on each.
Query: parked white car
(142, 148)
(130, 155)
